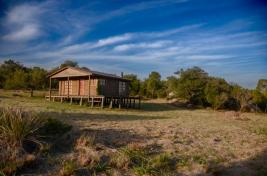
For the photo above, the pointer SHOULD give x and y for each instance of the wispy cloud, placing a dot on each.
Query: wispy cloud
(22, 23)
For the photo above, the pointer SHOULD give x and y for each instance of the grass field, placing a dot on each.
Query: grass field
(199, 141)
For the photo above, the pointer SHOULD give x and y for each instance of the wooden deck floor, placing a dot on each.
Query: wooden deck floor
(100, 101)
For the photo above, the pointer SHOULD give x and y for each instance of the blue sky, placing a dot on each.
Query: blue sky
(226, 38)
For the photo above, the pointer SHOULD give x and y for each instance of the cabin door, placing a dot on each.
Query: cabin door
(81, 87)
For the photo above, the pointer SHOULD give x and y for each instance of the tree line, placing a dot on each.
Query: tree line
(193, 85)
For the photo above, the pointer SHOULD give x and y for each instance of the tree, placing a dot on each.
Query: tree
(134, 85)
(217, 92)
(171, 85)
(38, 78)
(69, 63)
(191, 85)
(7, 69)
(19, 80)
(153, 83)
(259, 99)
(262, 85)
(243, 96)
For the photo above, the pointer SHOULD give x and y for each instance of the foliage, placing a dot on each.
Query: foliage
(38, 78)
(69, 63)
(259, 99)
(153, 83)
(134, 85)
(172, 84)
(217, 92)
(262, 85)
(19, 80)
(192, 83)
(243, 96)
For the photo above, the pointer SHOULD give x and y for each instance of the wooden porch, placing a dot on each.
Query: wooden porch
(98, 101)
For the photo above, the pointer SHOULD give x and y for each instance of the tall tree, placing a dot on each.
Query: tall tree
(7, 69)
(191, 85)
(134, 85)
(153, 83)
(217, 92)
(70, 63)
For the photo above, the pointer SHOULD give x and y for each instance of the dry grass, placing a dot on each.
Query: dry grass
(200, 141)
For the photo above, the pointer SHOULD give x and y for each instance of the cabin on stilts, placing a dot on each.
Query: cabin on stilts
(92, 87)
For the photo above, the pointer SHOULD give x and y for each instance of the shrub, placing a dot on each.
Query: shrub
(17, 129)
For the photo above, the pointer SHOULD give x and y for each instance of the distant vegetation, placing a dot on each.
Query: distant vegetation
(193, 85)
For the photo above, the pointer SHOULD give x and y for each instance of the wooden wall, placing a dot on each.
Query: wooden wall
(79, 86)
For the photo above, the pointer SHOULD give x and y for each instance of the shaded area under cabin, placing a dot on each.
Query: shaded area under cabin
(93, 87)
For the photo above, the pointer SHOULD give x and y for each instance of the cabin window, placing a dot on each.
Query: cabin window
(122, 87)
(102, 82)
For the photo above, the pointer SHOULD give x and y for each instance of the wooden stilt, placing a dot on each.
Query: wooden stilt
(111, 103)
(71, 100)
(50, 89)
(139, 103)
(92, 103)
(81, 101)
(102, 102)
(61, 99)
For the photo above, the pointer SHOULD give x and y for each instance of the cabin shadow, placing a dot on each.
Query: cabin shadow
(103, 139)
(254, 166)
(99, 116)
(163, 107)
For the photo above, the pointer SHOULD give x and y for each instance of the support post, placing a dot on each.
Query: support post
(120, 102)
(68, 87)
(111, 103)
(50, 89)
(71, 100)
(102, 102)
(89, 86)
(92, 103)
(81, 101)
(61, 99)
(139, 104)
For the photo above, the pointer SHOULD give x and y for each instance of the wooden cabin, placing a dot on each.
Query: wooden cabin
(78, 83)
(74, 81)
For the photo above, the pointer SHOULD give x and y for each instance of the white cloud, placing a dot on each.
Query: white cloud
(26, 32)
(142, 45)
(23, 23)
(113, 40)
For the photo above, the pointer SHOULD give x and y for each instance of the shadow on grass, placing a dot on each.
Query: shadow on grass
(254, 166)
(99, 117)
(103, 139)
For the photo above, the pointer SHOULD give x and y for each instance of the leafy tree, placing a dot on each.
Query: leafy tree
(171, 84)
(191, 85)
(38, 79)
(135, 84)
(262, 85)
(153, 83)
(19, 80)
(243, 96)
(259, 99)
(7, 69)
(69, 63)
(217, 92)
